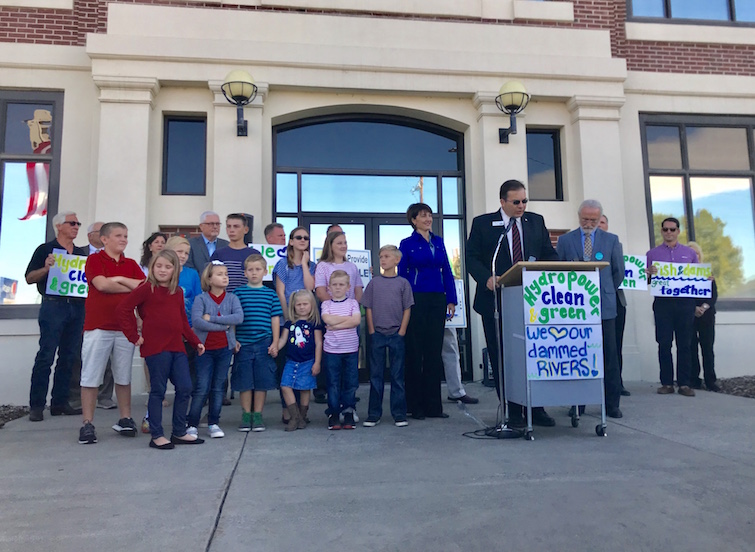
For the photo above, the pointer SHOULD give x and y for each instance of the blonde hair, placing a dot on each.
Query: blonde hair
(340, 274)
(393, 249)
(175, 241)
(172, 258)
(698, 250)
(204, 279)
(314, 313)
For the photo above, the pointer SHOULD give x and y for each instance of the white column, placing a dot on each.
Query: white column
(597, 142)
(237, 160)
(122, 163)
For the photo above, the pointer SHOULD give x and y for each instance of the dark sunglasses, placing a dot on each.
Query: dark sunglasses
(518, 201)
(669, 229)
(305, 238)
(72, 222)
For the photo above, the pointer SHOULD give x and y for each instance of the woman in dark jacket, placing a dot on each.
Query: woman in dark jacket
(424, 263)
(704, 335)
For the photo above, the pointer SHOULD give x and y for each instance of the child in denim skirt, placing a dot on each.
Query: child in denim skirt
(302, 337)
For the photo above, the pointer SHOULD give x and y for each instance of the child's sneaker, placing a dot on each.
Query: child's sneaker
(145, 425)
(246, 422)
(126, 427)
(401, 423)
(215, 432)
(191, 430)
(257, 423)
(371, 421)
(348, 421)
(333, 422)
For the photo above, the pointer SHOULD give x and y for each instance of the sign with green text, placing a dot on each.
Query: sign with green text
(681, 280)
(635, 272)
(67, 277)
(561, 297)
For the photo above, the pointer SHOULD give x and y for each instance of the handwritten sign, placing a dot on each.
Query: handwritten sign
(564, 352)
(460, 314)
(67, 276)
(681, 280)
(360, 257)
(635, 272)
(272, 254)
(561, 297)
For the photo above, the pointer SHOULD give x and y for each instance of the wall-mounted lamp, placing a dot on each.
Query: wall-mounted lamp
(240, 90)
(512, 99)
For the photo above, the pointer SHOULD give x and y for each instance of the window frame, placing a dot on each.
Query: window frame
(56, 99)
(557, 159)
(685, 173)
(668, 17)
(167, 119)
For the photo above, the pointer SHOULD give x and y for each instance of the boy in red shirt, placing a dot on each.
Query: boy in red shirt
(111, 276)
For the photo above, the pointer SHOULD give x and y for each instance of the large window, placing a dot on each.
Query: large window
(544, 164)
(701, 171)
(30, 130)
(184, 155)
(701, 10)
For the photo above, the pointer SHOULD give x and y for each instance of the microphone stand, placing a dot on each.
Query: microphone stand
(501, 430)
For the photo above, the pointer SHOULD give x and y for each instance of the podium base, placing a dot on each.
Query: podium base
(504, 432)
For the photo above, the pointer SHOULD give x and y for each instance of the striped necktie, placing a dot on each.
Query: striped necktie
(516, 243)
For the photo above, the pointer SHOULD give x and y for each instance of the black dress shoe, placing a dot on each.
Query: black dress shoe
(542, 419)
(713, 387)
(614, 413)
(64, 410)
(36, 414)
(466, 399)
(441, 415)
(516, 422)
(625, 393)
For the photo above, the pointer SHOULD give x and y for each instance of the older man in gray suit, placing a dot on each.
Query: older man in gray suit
(590, 243)
(202, 247)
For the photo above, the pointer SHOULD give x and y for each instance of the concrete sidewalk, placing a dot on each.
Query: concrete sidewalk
(675, 473)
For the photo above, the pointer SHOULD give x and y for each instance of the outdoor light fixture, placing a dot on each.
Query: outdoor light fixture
(240, 90)
(512, 99)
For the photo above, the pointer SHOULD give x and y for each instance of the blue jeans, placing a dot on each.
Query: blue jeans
(343, 381)
(394, 344)
(61, 323)
(212, 372)
(162, 367)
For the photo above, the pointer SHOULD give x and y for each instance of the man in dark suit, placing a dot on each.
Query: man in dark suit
(524, 237)
(590, 243)
(202, 247)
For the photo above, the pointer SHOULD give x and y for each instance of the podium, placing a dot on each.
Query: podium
(552, 336)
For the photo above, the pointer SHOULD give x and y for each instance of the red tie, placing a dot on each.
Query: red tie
(516, 244)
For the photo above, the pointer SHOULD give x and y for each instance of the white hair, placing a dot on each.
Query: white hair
(591, 204)
(90, 229)
(203, 216)
(60, 218)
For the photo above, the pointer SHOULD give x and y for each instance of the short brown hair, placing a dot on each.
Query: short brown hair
(255, 258)
(415, 209)
(340, 274)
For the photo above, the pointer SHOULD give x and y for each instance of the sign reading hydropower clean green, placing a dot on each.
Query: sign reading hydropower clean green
(563, 332)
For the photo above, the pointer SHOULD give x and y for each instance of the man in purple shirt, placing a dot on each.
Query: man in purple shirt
(674, 316)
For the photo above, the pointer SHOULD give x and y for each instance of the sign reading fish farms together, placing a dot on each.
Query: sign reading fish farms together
(681, 280)
(561, 297)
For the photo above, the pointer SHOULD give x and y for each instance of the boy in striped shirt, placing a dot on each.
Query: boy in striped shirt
(341, 316)
(254, 369)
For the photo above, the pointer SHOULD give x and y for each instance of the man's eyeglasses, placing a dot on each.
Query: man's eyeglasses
(72, 222)
(305, 238)
(518, 201)
(669, 229)
(211, 223)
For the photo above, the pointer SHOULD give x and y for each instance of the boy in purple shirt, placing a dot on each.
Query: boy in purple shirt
(388, 301)
(673, 315)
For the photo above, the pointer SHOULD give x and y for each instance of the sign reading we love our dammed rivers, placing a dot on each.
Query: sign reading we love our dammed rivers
(563, 332)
